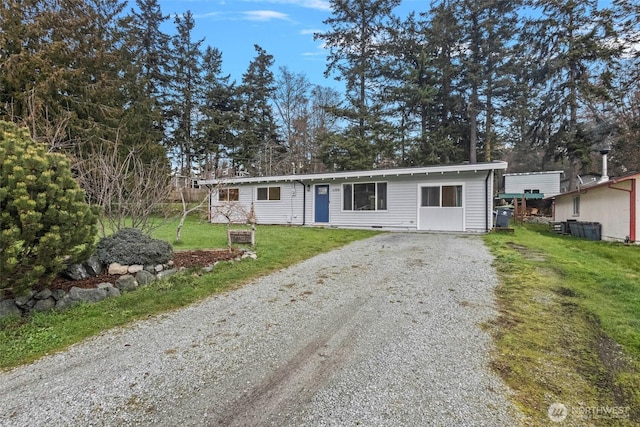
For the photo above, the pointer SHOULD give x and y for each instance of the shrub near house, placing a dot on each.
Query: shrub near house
(45, 221)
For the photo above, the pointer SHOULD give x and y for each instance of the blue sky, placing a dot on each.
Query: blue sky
(284, 28)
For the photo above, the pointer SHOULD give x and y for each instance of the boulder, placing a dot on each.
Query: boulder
(143, 277)
(87, 295)
(93, 266)
(126, 283)
(45, 304)
(78, 295)
(65, 302)
(8, 307)
(58, 294)
(112, 291)
(43, 294)
(166, 273)
(249, 254)
(133, 269)
(25, 301)
(117, 268)
(75, 272)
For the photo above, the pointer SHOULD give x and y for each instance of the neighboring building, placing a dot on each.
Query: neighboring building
(613, 203)
(439, 198)
(533, 185)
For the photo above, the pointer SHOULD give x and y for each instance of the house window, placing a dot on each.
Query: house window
(371, 196)
(576, 206)
(531, 191)
(268, 193)
(229, 195)
(431, 196)
(447, 196)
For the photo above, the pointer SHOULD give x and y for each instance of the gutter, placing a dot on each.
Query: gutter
(632, 206)
(304, 202)
(486, 201)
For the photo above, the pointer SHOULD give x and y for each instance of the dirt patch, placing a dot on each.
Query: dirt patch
(529, 254)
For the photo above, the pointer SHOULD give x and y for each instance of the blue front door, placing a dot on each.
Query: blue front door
(322, 203)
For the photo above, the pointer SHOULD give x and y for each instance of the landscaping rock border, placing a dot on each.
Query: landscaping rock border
(131, 278)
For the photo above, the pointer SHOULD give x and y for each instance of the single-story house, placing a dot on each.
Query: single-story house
(613, 203)
(440, 198)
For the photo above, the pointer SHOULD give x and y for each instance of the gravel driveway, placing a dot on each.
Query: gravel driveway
(383, 332)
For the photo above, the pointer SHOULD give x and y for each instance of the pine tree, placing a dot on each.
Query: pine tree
(357, 29)
(149, 47)
(260, 150)
(219, 114)
(448, 126)
(567, 50)
(44, 219)
(489, 28)
(185, 93)
(410, 89)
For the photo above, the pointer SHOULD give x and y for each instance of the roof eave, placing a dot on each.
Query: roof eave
(475, 167)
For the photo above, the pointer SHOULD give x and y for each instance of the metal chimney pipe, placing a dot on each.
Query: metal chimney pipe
(605, 176)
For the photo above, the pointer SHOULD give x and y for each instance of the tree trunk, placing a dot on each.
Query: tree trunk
(473, 123)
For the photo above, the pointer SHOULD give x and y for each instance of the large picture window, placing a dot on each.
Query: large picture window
(446, 196)
(229, 195)
(268, 193)
(370, 196)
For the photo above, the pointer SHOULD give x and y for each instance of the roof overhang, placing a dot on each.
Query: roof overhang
(597, 185)
(375, 173)
(533, 173)
(526, 196)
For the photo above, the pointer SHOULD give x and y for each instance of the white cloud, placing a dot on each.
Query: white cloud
(310, 4)
(264, 15)
(207, 15)
(309, 32)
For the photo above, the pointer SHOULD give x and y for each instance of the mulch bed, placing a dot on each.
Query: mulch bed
(186, 259)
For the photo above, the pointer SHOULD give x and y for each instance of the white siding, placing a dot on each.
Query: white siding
(287, 210)
(547, 183)
(602, 204)
(402, 201)
(400, 212)
(479, 205)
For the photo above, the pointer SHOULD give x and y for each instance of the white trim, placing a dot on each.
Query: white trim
(268, 200)
(440, 184)
(371, 174)
(352, 183)
(533, 173)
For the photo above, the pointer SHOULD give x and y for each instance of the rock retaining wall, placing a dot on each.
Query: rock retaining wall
(131, 277)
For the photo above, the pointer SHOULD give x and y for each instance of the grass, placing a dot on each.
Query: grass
(569, 324)
(23, 340)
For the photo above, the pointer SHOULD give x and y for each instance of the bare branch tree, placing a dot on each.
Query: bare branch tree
(130, 192)
(186, 212)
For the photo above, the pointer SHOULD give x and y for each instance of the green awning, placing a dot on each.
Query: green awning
(527, 196)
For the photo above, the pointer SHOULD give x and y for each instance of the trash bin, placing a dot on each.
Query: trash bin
(503, 215)
(573, 227)
(592, 230)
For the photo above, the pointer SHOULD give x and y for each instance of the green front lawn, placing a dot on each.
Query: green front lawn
(26, 339)
(569, 324)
